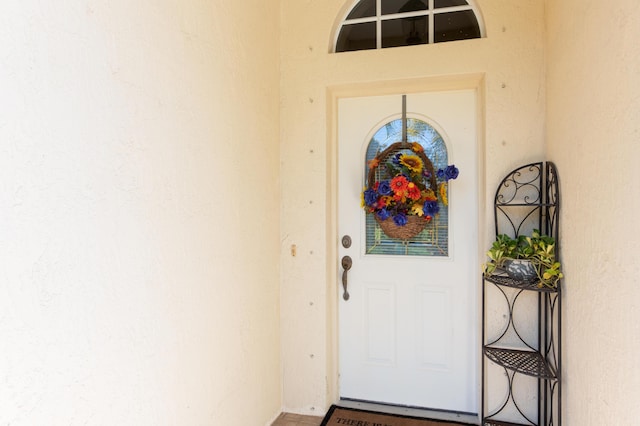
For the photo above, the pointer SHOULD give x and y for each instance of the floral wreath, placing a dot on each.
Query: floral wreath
(405, 197)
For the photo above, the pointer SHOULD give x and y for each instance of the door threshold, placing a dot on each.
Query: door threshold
(452, 416)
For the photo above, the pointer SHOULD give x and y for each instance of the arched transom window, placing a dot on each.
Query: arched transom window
(376, 24)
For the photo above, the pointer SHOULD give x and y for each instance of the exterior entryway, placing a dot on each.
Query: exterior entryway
(408, 331)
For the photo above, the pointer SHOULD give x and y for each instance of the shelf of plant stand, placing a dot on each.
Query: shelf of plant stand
(504, 280)
(491, 422)
(527, 362)
(525, 204)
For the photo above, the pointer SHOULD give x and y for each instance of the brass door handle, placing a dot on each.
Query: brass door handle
(346, 265)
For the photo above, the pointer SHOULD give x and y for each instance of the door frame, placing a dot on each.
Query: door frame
(475, 82)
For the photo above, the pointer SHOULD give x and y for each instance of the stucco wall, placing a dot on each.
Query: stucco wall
(511, 59)
(593, 128)
(139, 206)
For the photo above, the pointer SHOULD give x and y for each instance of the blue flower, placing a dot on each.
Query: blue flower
(370, 197)
(384, 188)
(383, 214)
(451, 172)
(431, 208)
(400, 219)
(396, 159)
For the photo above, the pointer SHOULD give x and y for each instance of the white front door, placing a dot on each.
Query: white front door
(408, 332)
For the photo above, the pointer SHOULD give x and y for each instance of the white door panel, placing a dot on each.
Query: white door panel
(407, 333)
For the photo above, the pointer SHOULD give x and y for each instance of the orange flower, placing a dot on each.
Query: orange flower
(374, 163)
(399, 184)
(400, 197)
(429, 195)
(413, 191)
(416, 147)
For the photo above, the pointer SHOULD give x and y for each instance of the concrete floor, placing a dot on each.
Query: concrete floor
(288, 419)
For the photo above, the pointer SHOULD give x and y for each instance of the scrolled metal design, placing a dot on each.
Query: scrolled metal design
(510, 397)
(511, 324)
(550, 350)
(521, 189)
(552, 185)
(521, 186)
(552, 202)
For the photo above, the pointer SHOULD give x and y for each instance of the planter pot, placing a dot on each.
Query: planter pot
(520, 269)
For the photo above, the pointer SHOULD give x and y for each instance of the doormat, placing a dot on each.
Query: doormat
(342, 416)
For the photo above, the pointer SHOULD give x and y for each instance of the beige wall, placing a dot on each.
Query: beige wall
(511, 59)
(139, 286)
(593, 132)
(139, 208)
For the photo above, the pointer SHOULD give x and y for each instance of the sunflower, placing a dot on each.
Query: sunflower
(443, 193)
(412, 162)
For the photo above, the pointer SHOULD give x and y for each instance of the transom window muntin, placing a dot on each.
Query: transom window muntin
(376, 24)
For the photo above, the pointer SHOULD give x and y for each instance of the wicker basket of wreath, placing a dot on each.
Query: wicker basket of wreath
(403, 191)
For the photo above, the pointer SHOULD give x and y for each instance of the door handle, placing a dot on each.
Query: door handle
(346, 265)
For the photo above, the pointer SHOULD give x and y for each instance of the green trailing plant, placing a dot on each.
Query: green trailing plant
(537, 248)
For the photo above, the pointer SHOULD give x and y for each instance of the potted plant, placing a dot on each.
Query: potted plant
(525, 258)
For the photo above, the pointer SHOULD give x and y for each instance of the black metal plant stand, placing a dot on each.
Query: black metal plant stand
(527, 198)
